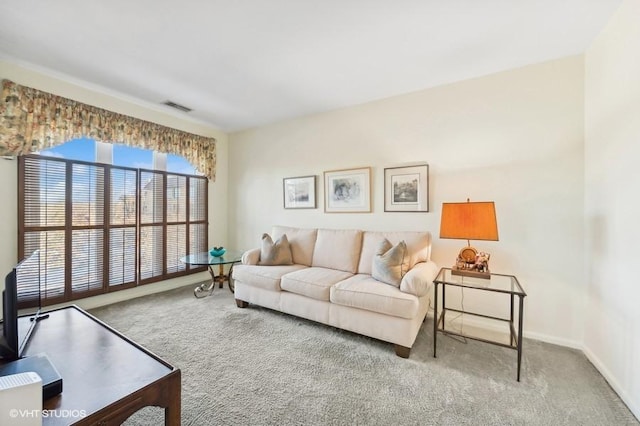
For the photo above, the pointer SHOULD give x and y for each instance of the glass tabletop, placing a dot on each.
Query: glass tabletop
(497, 282)
(204, 258)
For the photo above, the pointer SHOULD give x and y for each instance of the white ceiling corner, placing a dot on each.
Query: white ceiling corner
(251, 62)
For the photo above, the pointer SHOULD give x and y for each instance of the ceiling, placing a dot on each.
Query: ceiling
(245, 63)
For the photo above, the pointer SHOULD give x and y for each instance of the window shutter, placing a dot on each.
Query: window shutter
(87, 260)
(123, 232)
(42, 217)
(176, 190)
(176, 247)
(152, 225)
(198, 225)
(100, 227)
(44, 192)
(87, 228)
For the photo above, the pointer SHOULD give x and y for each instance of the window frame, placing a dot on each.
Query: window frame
(68, 228)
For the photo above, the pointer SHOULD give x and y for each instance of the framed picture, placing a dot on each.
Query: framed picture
(347, 191)
(299, 192)
(406, 189)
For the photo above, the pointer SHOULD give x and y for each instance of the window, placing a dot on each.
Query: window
(104, 227)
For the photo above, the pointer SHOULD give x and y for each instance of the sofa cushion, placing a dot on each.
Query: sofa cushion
(266, 277)
(338, 249)
(301, 240)
(313, 282)
(363, 292)
(418, 247)
(390, 263)
(278, 253)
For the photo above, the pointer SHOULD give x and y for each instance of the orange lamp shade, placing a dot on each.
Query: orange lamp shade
(469, 221)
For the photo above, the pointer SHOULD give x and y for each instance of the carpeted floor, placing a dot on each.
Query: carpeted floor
(259, 367)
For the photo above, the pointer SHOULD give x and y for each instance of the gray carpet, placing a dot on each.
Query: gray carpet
(255, 366)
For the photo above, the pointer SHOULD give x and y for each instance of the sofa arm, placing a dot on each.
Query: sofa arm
(251, 257)
(418, 280)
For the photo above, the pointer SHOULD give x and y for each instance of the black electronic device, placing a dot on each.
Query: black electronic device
(51, 380)
(20, 316)
(20, 306)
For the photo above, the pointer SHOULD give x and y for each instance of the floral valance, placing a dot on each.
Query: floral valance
(32, 120)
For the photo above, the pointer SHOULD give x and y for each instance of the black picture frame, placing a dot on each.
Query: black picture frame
(406, 189)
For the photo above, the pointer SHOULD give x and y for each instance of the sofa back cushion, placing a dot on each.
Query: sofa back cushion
(338, 249)
(418, 247)
(301, 240)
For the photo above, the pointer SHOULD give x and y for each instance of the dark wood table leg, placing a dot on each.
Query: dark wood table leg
(173, 403)
(221, 276)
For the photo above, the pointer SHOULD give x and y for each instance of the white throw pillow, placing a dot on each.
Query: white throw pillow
(278, 253)
(390, 263)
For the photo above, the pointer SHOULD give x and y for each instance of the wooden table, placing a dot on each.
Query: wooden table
(106, 377)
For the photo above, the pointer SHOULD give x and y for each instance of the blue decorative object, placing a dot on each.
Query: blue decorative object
(217, 251)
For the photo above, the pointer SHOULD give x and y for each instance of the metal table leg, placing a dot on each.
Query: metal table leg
(206, 289)
(520, 314)
(435, 319)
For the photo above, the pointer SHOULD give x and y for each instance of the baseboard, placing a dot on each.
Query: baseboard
(599, 365)
(573, 344)
(490, 325)
(135, 292)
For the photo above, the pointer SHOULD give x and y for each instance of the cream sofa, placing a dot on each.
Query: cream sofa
(330, 282)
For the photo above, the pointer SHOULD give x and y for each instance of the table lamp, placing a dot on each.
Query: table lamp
(470, 221)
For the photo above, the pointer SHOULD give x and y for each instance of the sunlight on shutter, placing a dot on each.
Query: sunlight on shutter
(123, 219)
(151, 224)
(43, 195)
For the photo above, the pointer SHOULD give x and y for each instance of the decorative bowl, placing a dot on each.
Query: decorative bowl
(217, 251)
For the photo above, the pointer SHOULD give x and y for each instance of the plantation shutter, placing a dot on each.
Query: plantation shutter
(42, 193)
(197, 216)
(152, 222)
(176, 190)
(87, 228)
(123, 223)
(101, 228)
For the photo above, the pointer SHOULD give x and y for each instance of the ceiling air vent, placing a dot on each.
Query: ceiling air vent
(177, 106)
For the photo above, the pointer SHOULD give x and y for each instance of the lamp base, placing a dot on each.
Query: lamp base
(470, 273)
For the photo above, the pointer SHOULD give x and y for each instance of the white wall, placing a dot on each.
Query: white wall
(612, 202)
(96, 96)
(514, 137)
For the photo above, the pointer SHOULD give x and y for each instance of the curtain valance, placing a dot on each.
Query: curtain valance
(32, 120)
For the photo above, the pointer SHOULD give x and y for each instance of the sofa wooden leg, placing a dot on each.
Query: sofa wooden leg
(402, 351)
(241, 303)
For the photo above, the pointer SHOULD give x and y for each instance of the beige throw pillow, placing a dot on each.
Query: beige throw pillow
(278, 253)
(390, 262)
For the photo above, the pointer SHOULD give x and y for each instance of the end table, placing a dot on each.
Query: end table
(205, 259)
(497, 284)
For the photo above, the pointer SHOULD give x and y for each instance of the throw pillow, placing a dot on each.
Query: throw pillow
(390, 263)
(278, 253)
